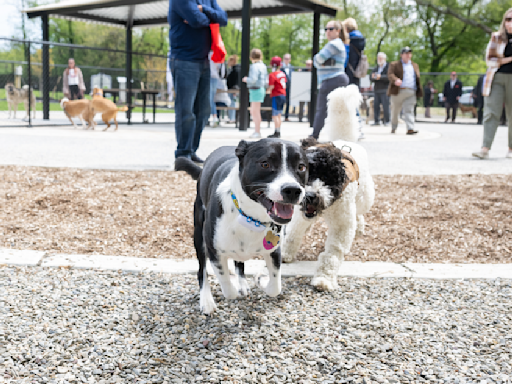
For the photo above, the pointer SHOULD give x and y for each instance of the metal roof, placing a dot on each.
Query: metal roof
(152, 12)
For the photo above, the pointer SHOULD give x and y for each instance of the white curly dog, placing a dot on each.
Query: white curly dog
(340, 188)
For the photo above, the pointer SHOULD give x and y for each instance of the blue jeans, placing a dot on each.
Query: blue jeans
(192, 107)
(213, 91)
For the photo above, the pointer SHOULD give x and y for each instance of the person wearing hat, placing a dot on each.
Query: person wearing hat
(404, 88)
(277, 86)
(451, 94)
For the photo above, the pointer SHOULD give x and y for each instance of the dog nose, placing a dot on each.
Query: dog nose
(291, 192)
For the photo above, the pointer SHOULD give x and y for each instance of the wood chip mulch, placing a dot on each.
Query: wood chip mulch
(464, 219)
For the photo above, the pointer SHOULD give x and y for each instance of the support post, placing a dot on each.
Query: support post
(29, 87)
(246, 46)
(314, 81)
(46, 68)
(129, 72)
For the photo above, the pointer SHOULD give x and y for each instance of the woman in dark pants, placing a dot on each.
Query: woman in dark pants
(330, 66)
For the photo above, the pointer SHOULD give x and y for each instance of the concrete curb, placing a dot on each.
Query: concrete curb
(14, 257)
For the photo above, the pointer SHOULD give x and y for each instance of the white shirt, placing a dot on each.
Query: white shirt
(381, 68)
(286, 68)
(72, 77)
(452, 83)
(409, 80)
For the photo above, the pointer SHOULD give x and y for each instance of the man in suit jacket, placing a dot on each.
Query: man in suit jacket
(380, 79)
(451, 93)
(404, 88)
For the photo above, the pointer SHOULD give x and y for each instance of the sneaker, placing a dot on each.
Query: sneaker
(255, 135)
(509, 154)
(374, 124)
(275, 135)
(196, 159)
(361, 136)
(481, 154)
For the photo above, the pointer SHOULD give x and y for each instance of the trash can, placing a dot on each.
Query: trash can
(122, 89)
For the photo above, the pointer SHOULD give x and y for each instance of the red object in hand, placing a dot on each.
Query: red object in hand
(218, 48)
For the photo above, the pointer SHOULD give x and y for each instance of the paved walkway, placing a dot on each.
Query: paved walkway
(437, 149)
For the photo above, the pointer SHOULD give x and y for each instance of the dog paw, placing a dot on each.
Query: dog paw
(230, 291)
(207, 304)
(323, 283)
(243, 288)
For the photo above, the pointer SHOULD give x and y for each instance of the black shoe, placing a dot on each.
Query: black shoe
(412, 132)
(196, 159)
(275, 135)
(375, 124)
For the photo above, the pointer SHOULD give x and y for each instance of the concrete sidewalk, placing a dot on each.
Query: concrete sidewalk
(252, 267)
(437, 149)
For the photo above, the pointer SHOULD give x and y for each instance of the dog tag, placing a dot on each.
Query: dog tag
(270, 240)
(248, 223)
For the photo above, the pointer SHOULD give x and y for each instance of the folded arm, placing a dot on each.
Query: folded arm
(191, 14)
(216, 14)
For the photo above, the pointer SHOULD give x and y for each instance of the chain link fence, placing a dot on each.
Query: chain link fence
(21, 65)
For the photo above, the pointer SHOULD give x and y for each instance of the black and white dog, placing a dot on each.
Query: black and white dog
(244, 196)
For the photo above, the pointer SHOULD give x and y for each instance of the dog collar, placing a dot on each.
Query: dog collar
(245, 220)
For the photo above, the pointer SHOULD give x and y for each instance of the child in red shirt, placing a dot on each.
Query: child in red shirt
(277, 87)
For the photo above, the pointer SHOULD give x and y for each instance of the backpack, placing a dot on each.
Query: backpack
(362, 67)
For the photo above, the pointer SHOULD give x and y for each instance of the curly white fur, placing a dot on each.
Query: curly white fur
(344, 216)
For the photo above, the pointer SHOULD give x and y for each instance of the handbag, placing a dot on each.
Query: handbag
(218, 48)
(362, 67)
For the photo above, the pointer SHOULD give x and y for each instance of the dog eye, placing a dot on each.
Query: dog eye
(302, 168)
(265, 165)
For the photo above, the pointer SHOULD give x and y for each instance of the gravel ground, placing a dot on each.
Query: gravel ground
(461, 219)
(78, 326)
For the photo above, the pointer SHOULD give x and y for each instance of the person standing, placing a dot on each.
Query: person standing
(233, 83)
(478, 99)
(190, 40)
(451, 95)
(287, 69)
(330, 65)
(256, 82)
(498, 85)
(214, 83)
(356, 45)
(404, 88)
(73, 86)
(379, 77)
(428, 97)
(277, 86)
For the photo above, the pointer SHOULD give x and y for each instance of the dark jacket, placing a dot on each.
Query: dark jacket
(382, 84)
(192, 41)
(450, 93)
(233, 78)
(396, 71)
(357, 44)
(478, 97)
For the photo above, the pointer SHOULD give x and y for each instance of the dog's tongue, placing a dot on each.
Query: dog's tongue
(284, 211)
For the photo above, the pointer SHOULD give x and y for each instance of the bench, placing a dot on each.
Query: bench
(268, 113)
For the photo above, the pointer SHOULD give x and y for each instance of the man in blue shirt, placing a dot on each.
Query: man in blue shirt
(190, 40)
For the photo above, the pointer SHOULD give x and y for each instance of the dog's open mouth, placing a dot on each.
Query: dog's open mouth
(279, 212)
(310, 211)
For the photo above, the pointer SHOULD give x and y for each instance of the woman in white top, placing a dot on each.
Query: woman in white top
(73, 85)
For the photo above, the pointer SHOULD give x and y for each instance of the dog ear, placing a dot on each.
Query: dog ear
(309, 142)
(241, 150)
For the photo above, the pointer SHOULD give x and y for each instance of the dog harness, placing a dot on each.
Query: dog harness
(271, 239)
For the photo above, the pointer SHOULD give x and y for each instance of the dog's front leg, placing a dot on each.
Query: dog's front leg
(293, 233)
(220, 267)
(271, 284)
(342, 222)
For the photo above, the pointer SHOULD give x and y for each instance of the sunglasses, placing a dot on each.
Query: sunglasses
(331, 29)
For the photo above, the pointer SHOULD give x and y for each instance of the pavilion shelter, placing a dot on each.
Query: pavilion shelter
(131, 14)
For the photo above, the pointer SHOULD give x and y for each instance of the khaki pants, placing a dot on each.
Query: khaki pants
(501, 92)
(406, 99)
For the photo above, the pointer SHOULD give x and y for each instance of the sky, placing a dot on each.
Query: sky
(10, 20)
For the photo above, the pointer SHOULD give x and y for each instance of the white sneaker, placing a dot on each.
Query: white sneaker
(255, 135)
(481, 154)
(509, 154)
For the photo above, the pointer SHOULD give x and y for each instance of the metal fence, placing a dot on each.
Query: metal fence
(22, 62)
